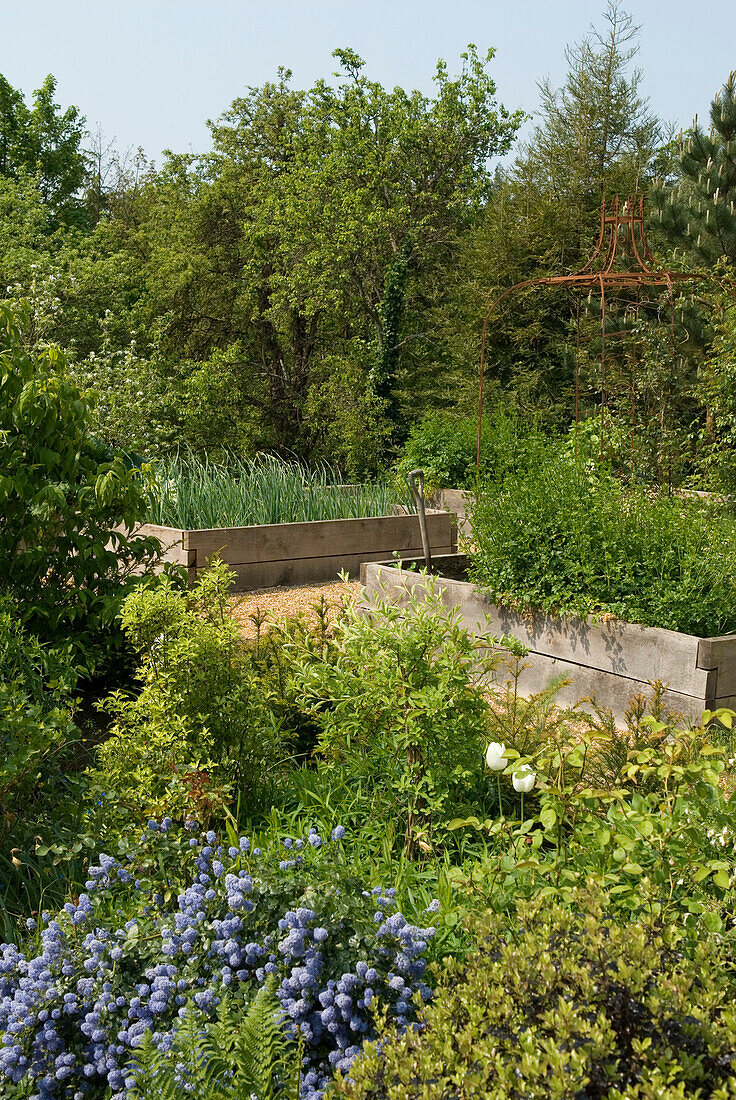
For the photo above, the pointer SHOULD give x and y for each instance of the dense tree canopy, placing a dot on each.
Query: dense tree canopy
(44, 143)
(316, 281)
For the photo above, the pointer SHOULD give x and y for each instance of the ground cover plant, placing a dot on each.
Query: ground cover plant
(189, 491)
(569, 538)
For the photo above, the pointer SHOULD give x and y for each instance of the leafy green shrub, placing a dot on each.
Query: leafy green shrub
(35, 712)
(570, 541)
(445, 447)
(36, 732)
(567, 1003)
(66, 552)
(200, 723)
(396, 701)
(660, 836)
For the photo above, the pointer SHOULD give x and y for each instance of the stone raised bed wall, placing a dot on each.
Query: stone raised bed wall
(613, 659)
(303, 553)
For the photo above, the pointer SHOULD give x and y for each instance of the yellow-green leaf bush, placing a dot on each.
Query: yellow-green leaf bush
(199, 723)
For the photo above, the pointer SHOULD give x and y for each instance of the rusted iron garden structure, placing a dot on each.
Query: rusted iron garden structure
(622, 238)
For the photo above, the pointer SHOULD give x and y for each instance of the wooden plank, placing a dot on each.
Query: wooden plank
(172, 536)
(329, 538)
(640, 653)
(270, 574)
(720, 654)
(610, 690)
(728, 701)
(171, 539)
(457, 501)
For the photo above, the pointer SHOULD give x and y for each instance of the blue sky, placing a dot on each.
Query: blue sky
(151, 72)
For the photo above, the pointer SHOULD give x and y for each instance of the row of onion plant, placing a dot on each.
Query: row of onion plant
(190, 492)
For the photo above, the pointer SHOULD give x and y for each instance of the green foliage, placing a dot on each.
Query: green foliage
(571, 541)
(696, 210)
(35, 716)
(306, 245)
(199, 724)
(67, 554)
(43, 835)
(395, 700)
(596, 137)
(44, 143)
(657, 832)
(718, 381)
(190, 492)
(445, 446)
(598, 134)
(37, 732)
(565, 1002)
(243, 1054)
(345, 418)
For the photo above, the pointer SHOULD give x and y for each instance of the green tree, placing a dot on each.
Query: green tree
(696, 219)
(46, 143)
(696, 208)
(596, 138)
(13, 128)
(305, 245)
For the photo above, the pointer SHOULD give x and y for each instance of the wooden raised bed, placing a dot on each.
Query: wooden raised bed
(457, 501)
(302, 553)
(613, 659)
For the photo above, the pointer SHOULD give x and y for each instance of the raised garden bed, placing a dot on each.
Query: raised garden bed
(303, 553)
(457, 501)
(614, 660)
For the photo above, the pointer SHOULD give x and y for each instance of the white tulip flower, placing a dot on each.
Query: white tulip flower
(524, 779)
(495, 758)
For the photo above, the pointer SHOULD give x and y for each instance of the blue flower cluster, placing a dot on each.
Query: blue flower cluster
(72, 1014)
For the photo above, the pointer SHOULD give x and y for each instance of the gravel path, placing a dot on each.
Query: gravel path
(287, 603)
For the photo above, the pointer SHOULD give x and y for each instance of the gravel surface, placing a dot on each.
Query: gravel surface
(287, 603)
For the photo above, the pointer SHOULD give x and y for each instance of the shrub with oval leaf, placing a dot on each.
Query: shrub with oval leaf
(67, 552)
(562, 1001)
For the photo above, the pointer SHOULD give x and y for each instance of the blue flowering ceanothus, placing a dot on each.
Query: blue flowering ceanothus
(75, 1007)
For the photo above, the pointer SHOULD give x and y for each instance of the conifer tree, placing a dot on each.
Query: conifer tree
(698, 211)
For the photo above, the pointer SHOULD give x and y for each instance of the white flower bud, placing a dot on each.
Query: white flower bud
(495, 758)
(524, 779)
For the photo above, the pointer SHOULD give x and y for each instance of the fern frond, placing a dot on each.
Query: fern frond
(267, 1059)
(245, 1053)
(153, 1072)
